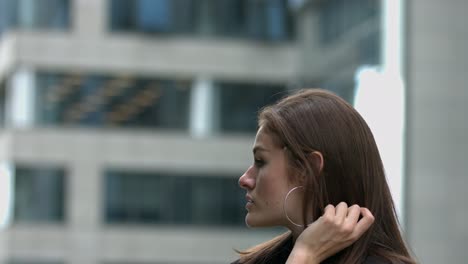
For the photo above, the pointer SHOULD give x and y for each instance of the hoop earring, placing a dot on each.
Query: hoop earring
(284, 206)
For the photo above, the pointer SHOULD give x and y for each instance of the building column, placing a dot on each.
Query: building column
(437, 128)
(21, 99)
(84, 210)
(5, 208)
(203, 110)
(308, 42)
(90, 16)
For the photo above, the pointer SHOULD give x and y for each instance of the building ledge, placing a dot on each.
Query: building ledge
(151, 55)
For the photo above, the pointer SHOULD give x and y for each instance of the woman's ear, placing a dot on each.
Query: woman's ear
(317, 161)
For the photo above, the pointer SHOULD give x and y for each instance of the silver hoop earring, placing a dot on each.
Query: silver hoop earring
(284, 206)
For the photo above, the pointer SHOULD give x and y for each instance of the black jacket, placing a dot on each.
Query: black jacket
(282, 260)
(282, 255)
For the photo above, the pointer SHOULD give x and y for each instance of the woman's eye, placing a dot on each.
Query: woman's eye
(259, 163)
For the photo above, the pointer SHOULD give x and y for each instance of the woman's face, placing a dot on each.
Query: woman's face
(266, 182)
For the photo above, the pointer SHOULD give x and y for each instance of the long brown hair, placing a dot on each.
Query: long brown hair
(317, 120)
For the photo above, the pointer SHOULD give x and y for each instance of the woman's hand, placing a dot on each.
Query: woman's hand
(335, 230)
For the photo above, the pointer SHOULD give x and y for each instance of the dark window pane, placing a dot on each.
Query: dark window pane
(240, 103)
(2, 103)
(257, 19)
(8, 14)
(230, 17)
(153, 16)
(186, 15)
(52, 14)
(30, 14)
(158, 198)
(338, 17)
(369, 47)
(343, 88)
(276, 16)
(39, 194)
(122, 14)
(98, 101)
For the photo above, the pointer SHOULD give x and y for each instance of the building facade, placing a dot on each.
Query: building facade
(126, 123)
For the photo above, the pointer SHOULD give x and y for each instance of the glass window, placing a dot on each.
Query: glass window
(342, 87)
(39, 194)
(122, 13)
(123, 101)
(2, 104)
(153, 16)
(349, 36)
(268, 20)
(8, 14)
(339, 16)
(33, 14)
(238, 112)
(162, 198)
(230, 17)
(369, 48)
(44, 14)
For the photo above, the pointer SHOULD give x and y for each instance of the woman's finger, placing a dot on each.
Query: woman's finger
(341, 212)
(353, 215)
(329, 212)
(363, 224)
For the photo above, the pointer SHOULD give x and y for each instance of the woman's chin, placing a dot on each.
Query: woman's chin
(250, 221)
(254, 221)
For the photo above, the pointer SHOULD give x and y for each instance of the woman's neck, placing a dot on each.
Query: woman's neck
(295, 232)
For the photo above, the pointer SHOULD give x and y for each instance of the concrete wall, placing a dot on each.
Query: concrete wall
(83, 238)
(437, 130)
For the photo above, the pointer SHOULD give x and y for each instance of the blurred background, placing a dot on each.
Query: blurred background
(125, 124)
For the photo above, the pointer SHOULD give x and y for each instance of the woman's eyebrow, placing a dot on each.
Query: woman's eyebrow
(259, 148)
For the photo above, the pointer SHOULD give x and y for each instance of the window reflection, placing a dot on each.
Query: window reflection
(134, 102)
(39, 194)
(2, 104)
(162, 198)
(240, 103)
(153, 16)
(268, 20)
(33, 14)
(124, 101)
(339, 16)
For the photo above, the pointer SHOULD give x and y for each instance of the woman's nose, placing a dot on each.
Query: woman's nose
(247, 180)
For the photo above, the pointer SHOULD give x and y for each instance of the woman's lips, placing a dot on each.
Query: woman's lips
(250, 202)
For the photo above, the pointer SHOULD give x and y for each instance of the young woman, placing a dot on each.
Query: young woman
(313, 152)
